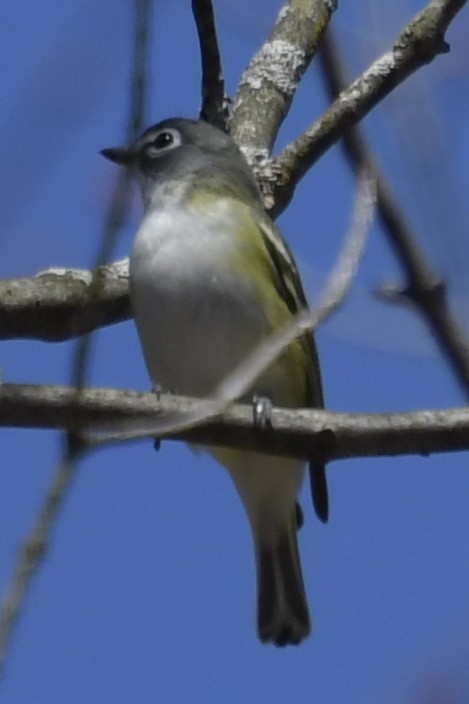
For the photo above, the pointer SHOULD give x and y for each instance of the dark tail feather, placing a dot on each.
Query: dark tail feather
(319, 493)
(283, 616)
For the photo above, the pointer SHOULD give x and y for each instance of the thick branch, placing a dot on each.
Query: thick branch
(60, 304)
(298, 433)
(269, 83)
(419, 43)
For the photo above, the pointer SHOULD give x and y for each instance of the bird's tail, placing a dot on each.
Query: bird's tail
(282, 607)
(268, 487)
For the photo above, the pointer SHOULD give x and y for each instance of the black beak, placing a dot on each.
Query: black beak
(119, 155)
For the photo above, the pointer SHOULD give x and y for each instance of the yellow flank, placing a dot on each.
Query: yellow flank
(286, 381)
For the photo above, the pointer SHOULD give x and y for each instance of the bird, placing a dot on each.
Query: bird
(211, 277)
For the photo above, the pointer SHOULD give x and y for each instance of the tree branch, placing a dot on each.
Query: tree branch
(298, 433)
(269, 83)
(419, 43)
(59, 304)
(214, 100)
(423, 287)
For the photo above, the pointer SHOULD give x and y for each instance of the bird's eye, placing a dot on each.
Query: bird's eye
(164, 141)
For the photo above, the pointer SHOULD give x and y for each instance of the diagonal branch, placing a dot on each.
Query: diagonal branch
(214, 100)
(419, 43)
(33, 552)
(269, 83)
(422, 285)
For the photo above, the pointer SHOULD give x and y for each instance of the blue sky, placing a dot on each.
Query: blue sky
(147, 593)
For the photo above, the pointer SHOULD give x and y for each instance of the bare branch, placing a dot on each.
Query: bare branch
(268, 85)
(422, 286)
(298, 433)
(419, 43)
(214, 100)
(59, 304)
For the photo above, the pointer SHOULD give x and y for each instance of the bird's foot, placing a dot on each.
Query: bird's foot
(262, 411)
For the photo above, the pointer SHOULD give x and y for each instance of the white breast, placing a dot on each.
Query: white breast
(196, 315)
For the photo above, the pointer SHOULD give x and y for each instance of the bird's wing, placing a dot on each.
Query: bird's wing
(288, 283)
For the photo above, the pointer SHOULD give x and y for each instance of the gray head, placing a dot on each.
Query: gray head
(188, 151)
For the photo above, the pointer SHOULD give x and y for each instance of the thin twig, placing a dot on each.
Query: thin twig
(33, 552)
(214, 99)
(37, 544)
(422, 285)
(418, 44)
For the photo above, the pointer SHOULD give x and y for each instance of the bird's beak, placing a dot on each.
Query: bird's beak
(119, 155)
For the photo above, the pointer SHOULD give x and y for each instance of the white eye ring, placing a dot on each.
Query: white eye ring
(165, 140)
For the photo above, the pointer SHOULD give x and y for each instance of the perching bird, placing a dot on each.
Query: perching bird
(211, 277)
